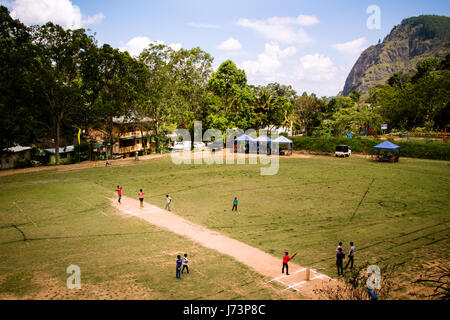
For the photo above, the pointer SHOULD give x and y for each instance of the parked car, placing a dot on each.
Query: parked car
(343, 151)
(199, 145)
(182, 146)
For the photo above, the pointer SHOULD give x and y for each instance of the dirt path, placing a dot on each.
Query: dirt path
(263, 263)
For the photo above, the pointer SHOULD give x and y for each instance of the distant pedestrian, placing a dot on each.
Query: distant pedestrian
(141, 198)
(179, 263)
(168, 201)
(339, 246)
(235, 203)
(286, 259)
(119, 193)
(185, 263)
(351, 254)
(136, 157)
(340, 261)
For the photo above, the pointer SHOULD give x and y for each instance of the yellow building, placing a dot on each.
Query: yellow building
(127, 136)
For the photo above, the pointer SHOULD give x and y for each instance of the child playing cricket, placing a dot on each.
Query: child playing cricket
(235, 203)
(286, 259)
(119, 193)
(141, 198)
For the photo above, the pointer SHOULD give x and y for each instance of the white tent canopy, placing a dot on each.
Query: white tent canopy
(282, 139)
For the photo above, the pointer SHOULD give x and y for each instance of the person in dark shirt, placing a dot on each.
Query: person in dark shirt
(179, 263)
(340, 262)
(235, 203)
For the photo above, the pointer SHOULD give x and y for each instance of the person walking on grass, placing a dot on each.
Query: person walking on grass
(119, 193)
(141, 198)
(235, 203)
(340, 262)
(168, 201)
(179, 263)
(185, 264)
(351, 254)
(286, 259)
(339, 246)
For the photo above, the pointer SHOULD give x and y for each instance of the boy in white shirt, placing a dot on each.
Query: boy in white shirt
(185, 263)
(169, 200)
(351, 253)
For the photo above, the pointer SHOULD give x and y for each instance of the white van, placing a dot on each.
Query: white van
(343, 151)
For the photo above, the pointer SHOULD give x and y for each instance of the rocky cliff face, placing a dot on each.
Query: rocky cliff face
(414, 39)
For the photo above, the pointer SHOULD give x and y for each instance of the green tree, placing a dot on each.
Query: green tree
(59, 79)
(233, 105)
(308, 111)
(20, 102)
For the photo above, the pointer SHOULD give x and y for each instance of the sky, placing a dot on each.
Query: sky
(310, 45)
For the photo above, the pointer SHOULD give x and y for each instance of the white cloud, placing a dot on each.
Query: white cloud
(315, 67)
(268, 61)
(282, 29)
(230, 44)
(61, 12)
(175, 46)
(203, 25)
(137, 44)
(354, 47)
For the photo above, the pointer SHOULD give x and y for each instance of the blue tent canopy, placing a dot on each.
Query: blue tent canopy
(386, 145)
(244, 137)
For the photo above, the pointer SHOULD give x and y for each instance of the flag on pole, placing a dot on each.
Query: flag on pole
(79, 135)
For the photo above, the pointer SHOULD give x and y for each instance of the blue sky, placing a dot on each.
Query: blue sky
(310, 45)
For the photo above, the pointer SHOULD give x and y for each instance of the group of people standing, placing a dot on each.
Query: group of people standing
(340, 256)
(182, 263)
(141, 198)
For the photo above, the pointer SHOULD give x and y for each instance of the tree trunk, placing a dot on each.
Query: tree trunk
(57, 132)
(111, 140)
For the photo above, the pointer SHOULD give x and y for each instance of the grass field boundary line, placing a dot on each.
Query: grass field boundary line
(29, 219)
(79, 236)
(390, 240)
(47, 219)
(362, 199)
(23, 234)
(415, 239)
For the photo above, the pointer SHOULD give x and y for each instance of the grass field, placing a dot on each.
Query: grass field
(309, 206)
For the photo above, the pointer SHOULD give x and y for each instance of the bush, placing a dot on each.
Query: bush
(436, 151)
(22, 163)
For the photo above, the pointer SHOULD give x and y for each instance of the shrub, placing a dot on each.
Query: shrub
(22, 163)
(436, 151)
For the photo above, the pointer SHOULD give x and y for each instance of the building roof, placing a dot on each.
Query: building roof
(130, 119)
(61, 149)
(16, 149)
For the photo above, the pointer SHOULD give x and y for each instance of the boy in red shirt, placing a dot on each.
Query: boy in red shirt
(119, 193)
(286, 259)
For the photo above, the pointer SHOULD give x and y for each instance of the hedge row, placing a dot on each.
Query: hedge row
(423, 150)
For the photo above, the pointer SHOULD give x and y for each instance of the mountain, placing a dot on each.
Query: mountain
(414, 39)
